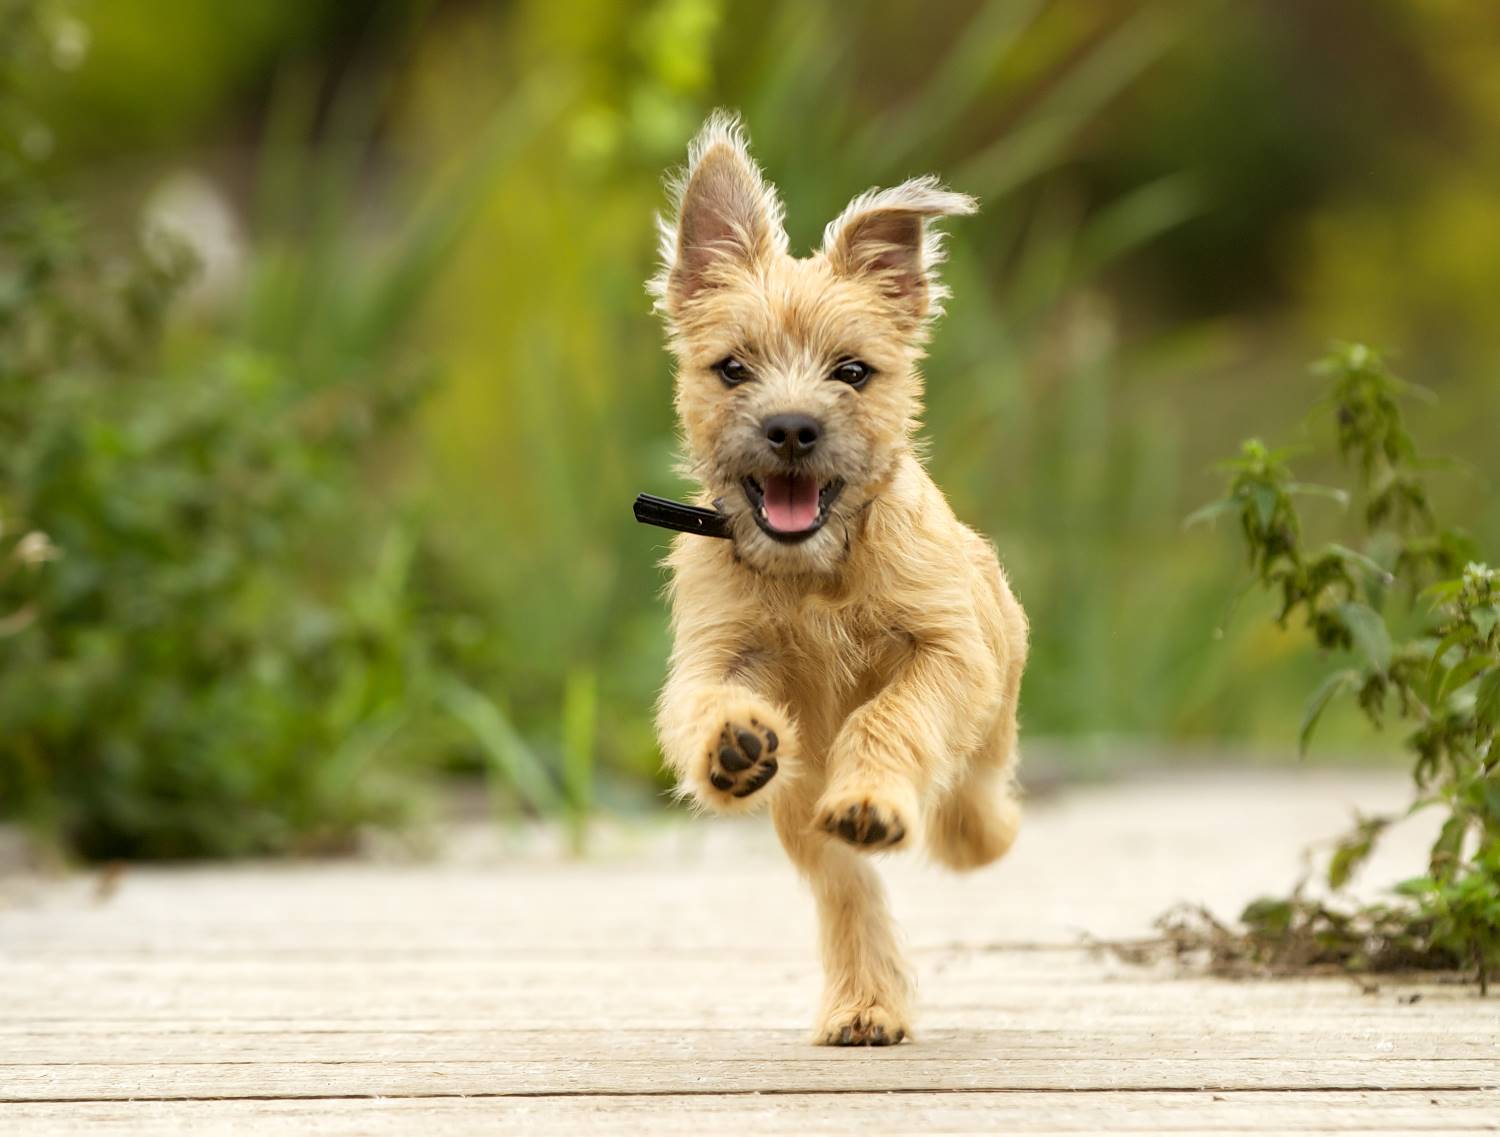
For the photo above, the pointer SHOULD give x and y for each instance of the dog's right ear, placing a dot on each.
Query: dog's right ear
(726, 216)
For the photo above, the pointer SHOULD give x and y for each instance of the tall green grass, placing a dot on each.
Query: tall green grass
(557, 408)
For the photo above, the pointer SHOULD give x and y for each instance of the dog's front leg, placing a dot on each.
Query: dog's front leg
(867, 988)
(722, 735)
(905, 739)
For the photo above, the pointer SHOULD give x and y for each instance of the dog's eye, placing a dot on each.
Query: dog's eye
(854, 372)
(732, 371)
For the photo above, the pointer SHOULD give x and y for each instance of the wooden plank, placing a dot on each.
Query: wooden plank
(1036, 1113)
(1012, 988)
(769, 1066)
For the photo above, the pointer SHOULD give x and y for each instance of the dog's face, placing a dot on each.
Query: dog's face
(797, 382)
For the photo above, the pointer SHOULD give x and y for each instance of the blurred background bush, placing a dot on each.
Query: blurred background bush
(327, 373)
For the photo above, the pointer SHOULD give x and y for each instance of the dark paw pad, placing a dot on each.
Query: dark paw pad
(865, 1031)
(866, 823)
(743, 758)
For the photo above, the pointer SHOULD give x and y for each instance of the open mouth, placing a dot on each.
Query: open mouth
(791, 507)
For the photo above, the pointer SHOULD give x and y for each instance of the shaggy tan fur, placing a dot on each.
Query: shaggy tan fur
(863, 681)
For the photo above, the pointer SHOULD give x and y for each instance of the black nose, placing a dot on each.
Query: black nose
(792, 436)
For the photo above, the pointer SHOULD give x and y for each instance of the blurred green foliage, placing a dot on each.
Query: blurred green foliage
(419, 329)
(237, 646)
(219, 647)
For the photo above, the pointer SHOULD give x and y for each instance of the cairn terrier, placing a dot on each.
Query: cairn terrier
(852, 655)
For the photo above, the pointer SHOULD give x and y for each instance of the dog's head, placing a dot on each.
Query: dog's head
(797, 382)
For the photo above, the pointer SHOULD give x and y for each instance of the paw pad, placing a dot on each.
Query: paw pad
(872, 1028)
(743, 759)
(865, 823)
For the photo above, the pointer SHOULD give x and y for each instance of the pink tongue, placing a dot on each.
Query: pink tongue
(791, 502)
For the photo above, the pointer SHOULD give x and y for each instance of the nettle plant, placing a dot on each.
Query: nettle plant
(1420, 618)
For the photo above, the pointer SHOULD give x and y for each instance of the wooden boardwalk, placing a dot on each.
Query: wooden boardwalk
(667, 984)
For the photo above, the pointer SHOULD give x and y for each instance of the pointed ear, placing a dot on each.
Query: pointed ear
(883, 234)
(725, 215)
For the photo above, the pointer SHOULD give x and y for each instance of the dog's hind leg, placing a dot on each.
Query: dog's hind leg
(867, 985)
(976, 821)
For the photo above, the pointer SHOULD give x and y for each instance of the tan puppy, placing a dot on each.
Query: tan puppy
(853, 655)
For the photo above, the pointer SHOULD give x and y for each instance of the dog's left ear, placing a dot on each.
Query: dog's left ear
(883, 234)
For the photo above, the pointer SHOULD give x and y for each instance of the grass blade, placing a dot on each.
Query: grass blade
(580, 715)
(956, 82)
(1039, 143)
(507, 753)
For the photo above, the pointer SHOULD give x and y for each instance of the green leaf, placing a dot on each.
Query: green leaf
(1443, 592)
(1264, 500)
(1485, 618)
(1417, 886)
(1336, 684)
(1448, 848)
(1362, 560)
(1487, 701)
(1210, 512)
(1308, 489)
(1269, 916)
(1460, 635)
(1464, 673)
(1489, 792)
(1427, 801)
(1354, 849)
(1370, 634)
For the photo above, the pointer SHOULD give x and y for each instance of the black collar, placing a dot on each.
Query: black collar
(668, 514)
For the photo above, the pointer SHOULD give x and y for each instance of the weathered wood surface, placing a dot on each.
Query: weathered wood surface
(666, 985)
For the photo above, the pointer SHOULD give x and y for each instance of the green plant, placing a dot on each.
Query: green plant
(210, 662)
(1438, 671)
(245, 643)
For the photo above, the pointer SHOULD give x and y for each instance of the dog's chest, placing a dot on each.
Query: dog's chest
(837, 656)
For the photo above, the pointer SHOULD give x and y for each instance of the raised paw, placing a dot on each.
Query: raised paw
(868, 1026)
(863, 820)
(742, 759)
